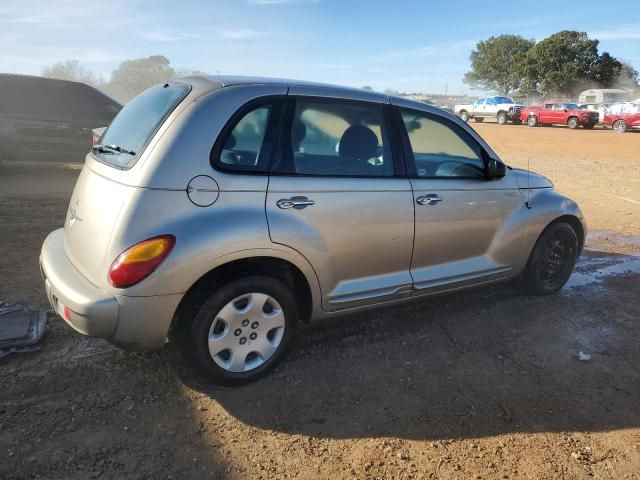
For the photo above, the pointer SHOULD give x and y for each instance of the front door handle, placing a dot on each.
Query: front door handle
(430, 199)
(294, 202)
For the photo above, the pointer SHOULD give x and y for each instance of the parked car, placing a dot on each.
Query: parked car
(623, 116)
(502, 108)
(601, 108)
(559, 113)
(220, 211)
(47, 120)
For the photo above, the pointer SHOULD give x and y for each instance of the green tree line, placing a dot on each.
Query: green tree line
(562, 64)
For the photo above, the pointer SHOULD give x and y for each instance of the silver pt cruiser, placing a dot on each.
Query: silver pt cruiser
(220, 211)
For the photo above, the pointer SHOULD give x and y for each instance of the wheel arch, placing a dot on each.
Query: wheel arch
(295, 277)
(575, 223)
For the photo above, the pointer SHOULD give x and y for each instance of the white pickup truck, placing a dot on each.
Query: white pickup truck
(502, 108)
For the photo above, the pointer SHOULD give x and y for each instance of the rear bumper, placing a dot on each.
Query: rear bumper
(137, 323)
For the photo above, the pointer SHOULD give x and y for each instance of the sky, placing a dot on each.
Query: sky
(409, 46)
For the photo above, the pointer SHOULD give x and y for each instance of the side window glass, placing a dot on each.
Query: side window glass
(548, 106)
(336, 138)
(441, 149)
(243, 145)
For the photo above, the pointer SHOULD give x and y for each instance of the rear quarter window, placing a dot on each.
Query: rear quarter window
(138, 121)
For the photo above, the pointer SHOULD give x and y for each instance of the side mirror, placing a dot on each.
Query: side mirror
(495, 168)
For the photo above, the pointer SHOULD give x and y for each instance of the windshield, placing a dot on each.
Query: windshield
(503, 100)
(136, 123)
(571, 106)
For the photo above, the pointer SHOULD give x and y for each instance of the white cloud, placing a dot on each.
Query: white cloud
(441, 49)
(624, 32)
(244, 33)
(156, 36)
(279, 2)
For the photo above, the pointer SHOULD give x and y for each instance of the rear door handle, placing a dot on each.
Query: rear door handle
(430, 199)
(294, 202)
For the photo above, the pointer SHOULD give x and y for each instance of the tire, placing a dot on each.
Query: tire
(502, 118)
(573, 123)
(228, 315)
(589, 126)
(552, 260)
(517, 121)
(619, 126)
(532, 121)
(478, 119)
(464, 116)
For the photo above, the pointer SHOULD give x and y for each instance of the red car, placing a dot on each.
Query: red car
(623, 116)
(568, 114)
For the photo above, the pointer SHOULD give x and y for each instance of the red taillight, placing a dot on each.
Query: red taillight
(139, 261)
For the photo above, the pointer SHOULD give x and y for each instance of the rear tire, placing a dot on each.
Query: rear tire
(552, 260)
(478, 119)
(242, 330)
(573, 123)
(464, 116)
(502, 118)
(619, 126)
(532, 121)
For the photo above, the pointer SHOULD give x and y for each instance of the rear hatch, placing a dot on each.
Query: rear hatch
(98, 199)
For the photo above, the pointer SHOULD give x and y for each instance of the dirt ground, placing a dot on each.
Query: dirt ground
(483, 384)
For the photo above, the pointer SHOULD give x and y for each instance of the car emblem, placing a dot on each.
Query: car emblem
(74, 216)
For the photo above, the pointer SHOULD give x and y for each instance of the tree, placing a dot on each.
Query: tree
(71, 70)
(135, 76)
(187, 72)
(626, 76)
(367, 87)
(564, 62)
(497, 63)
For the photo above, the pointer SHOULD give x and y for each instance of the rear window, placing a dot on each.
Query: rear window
(139, 119)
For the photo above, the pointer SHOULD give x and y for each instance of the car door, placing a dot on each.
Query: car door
(338, 196)
(461, 237)
(546, 113)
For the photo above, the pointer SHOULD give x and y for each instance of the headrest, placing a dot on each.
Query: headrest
(298, 133)
(358, 142)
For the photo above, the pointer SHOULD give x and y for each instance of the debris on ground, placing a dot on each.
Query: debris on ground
(584, 356)
(22, 325)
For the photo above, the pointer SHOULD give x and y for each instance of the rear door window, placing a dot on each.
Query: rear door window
(138, 121)
(339, 138)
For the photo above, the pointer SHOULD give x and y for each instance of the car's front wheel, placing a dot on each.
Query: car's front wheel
(619, 126)
(573, 123)
(552, 260)
(243, 329)
(502, 118)
(532, 121)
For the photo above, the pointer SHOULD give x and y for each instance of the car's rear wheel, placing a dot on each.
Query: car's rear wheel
(573, 123)
(552, 260)
(464, 116)
(502, 118)
(478, 119)
(619, 126)
(532, 121)
(243, 329)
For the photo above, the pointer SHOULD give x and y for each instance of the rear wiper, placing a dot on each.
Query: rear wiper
(112, 149)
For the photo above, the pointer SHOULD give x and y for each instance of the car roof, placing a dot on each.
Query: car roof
(221, 81)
